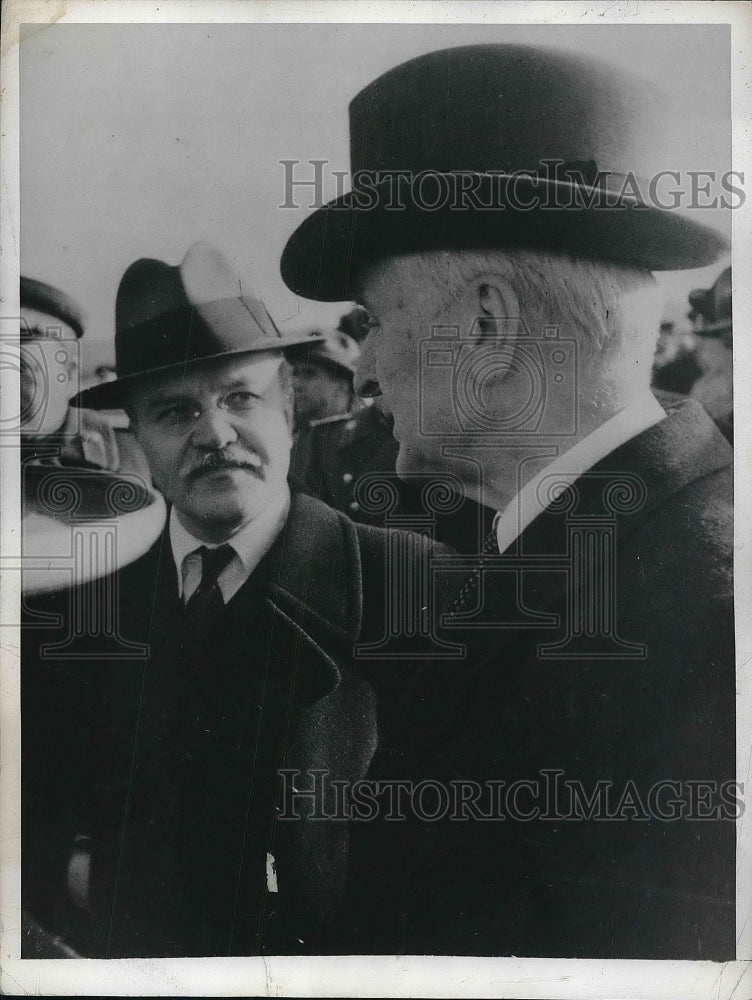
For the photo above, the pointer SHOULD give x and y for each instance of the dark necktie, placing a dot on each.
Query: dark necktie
(200, 677)
(468, 589)
(205, 603)
(184, 766)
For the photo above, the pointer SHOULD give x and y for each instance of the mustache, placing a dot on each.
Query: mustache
(211, 461)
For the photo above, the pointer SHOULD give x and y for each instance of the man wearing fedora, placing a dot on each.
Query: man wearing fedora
(155, 751)
(506, 266)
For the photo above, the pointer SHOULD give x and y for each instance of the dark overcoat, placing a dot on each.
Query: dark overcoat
(146, 834)
(576, 686)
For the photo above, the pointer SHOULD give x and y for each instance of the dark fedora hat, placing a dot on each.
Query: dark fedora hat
(167, 318)
(499, 145)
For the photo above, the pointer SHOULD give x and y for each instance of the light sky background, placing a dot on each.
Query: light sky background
(137, 140)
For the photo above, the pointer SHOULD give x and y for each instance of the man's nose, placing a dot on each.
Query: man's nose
(213, 429)
(366, 383)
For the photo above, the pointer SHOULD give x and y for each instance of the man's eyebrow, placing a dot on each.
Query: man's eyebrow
(240, 383)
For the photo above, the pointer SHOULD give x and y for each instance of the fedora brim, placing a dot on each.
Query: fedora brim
(89, 493)
(112, 395)
(328, 251)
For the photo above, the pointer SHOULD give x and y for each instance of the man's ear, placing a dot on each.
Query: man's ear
(497, 308)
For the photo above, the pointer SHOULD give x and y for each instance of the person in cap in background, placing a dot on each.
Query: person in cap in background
(325, 409)
(675, 365)
(324, 381)
(67, 452)
(715, 386)
(338, 438)
(507, 275)
(355, 324)
(155, 830)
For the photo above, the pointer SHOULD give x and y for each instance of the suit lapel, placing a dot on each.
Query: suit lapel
(656, 464)
(635, 479)
(617, 496)
(305, 595)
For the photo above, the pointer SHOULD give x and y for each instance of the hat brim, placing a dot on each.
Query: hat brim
(329, 250)
(112, 395)
(73, 493)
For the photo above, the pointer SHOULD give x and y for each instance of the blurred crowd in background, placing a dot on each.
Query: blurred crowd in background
(696, 358)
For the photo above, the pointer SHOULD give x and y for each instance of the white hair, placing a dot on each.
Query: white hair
(611, 310)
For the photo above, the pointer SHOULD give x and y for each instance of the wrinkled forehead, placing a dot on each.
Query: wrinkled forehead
(253, 372)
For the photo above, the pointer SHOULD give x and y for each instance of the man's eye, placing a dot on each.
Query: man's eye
(241, 400)
(174, 416)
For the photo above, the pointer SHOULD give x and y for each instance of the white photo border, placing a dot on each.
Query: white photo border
(384, 975)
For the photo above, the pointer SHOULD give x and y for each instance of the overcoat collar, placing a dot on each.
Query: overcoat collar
(670, 455)
(637, 477)
(313, 571)
(310, 581)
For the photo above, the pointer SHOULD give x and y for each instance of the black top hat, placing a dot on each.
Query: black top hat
(169, 317)
(461, 123)
(714, 305)
(38, 295)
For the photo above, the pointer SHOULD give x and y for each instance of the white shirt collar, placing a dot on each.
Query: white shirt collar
(624, 425)
(250, 545)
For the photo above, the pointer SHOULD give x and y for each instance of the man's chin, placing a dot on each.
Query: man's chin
(221, 520)
(229, 495)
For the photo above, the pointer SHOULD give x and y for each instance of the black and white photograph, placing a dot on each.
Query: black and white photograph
(375, 561)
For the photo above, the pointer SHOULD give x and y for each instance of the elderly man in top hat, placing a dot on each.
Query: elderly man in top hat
(506, 265)
(228, 675)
